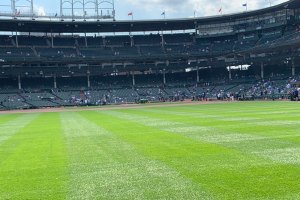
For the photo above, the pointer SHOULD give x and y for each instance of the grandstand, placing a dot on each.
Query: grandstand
(251, 55)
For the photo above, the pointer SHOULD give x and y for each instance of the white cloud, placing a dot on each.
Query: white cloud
(185, 8)
(39, 10)
(148, 9)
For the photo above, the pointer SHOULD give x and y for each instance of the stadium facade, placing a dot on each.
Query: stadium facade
(63, 63)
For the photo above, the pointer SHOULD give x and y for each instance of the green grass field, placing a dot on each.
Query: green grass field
(217, 151)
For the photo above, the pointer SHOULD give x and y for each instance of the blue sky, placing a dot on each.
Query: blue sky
(152, 9)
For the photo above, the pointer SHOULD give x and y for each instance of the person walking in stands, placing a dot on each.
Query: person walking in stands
(296, 95)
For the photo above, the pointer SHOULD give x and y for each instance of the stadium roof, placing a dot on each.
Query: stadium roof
(36, 25)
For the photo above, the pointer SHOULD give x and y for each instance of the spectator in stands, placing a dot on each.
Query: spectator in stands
(296, 95)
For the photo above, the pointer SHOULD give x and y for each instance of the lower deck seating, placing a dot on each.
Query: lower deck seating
(57, 52)
(153, 92)
(16, 53)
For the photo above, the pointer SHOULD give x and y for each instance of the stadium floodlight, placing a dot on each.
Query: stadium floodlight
(87, 9)
(17, 8)
(69, 10)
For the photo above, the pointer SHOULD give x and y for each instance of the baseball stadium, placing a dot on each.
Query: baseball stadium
(198, 107)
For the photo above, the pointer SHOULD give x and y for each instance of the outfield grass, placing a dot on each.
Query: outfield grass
(217, 151)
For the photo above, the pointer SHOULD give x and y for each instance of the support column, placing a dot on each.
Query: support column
(52, 43)
(293, 68)
(164, 77)
(133, 79)
(229, 73)
(72, 10)
(54, 82)
(31, 9)
(88, 81)
(262, 72)
(85, 40)
(17, 40)
(83, 10)
(198, 79)
(19, 82)
(13, 6)
(131, 41)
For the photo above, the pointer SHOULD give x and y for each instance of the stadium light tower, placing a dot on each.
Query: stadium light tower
(87, 9)
(26, 6)
(22, 8)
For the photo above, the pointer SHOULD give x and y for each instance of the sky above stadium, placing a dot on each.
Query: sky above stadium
(153, 9)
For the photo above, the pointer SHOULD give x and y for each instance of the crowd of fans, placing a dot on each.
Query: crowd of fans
(235, 90)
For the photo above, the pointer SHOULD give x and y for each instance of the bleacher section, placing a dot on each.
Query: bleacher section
(117, 41)
(148, 90)
(94, 41)
(32, 41)
(56, 52)
(36, 47)
(6, 41)
(96, 52)
(147, 39)
(12, 53)
(178, 38)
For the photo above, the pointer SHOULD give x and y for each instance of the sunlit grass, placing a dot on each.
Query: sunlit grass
(218, 151)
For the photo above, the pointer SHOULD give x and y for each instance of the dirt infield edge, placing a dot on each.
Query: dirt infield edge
(111, 107)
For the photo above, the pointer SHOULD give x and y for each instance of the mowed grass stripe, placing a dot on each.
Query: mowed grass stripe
(264, 140)
(226, 115)
(12, 125)
(275, 137)
(205, 130)
(244, 142)
(33, 160)
(262, 127)
(6, 118)
(236, 111)
(220, 169)
(273, 126)
(102, 166)
(244, 109)
(223, 151)
(169, 123)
